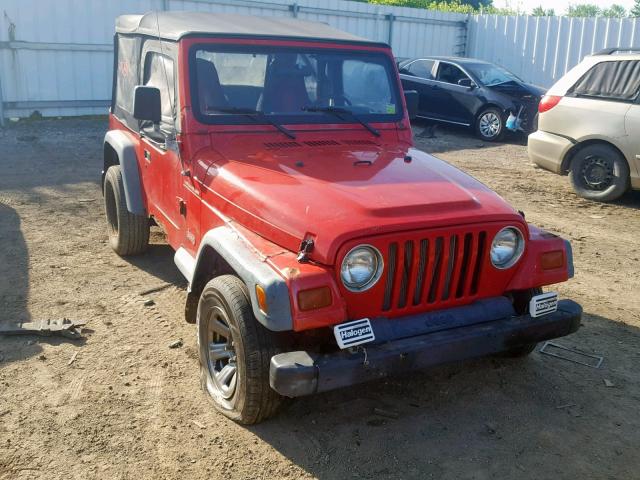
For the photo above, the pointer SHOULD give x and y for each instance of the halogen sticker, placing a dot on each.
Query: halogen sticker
(354, 333)
(543, 304)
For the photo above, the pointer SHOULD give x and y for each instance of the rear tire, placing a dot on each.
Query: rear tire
(235, 353)
(600, 173)
(490, 125)
(128, 233)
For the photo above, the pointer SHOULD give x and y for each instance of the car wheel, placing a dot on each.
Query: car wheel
(128, 233)
(598, 172)
(490, 125)
(235, 353)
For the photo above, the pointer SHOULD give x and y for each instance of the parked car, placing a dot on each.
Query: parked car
(589, 125)
(320, 248)
(471, 92)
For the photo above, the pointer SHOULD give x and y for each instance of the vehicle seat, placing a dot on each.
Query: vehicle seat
(284, 89)
(210, 94)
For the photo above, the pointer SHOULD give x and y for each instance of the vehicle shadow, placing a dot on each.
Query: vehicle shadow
(630, 199)
(14, 268)
(481, 419)
(40, 163)
(158, 261)
(14, 286)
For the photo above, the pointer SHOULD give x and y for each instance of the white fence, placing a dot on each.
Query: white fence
(541, 49)
(56, 57)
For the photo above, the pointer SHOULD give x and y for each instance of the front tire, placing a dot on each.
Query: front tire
(600, 173)
(128, 233)
(490, 125)
(235, 353)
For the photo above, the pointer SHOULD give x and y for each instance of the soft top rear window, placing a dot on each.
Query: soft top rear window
(611, 80)
(291, 84)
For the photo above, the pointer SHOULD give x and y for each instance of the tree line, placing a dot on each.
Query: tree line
(486, 6)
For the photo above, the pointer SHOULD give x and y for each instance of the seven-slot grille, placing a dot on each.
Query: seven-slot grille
(433, 270)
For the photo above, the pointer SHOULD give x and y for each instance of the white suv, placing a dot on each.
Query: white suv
(589, 125)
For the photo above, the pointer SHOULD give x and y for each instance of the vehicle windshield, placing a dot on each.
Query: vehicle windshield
(491, 75)
(292, 86)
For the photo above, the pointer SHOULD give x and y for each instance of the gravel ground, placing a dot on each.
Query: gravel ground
(121, 404)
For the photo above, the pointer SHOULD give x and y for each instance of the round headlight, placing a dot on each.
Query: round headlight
(361, 268)
(507, 247)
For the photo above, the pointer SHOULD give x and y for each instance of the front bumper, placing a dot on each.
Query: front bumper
(300, 373)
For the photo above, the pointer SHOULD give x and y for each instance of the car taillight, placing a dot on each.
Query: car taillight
(548, 102)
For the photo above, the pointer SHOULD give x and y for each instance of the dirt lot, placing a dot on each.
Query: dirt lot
(129, 407)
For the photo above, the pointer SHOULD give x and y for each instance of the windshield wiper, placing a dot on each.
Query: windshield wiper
(255, 115)
(339, 111)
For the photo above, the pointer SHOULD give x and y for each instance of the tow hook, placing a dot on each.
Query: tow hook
(306, 247)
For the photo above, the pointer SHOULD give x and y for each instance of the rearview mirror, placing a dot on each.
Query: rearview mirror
(411, 99)
(465, 82)
(146, 104)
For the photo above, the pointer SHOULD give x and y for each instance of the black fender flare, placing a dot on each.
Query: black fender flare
(125, 149)
(250, 266)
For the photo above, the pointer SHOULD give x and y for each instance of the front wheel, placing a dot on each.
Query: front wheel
(600, 173)
(490, 125)
(235, 353)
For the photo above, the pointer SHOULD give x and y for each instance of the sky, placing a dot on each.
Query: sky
(560, 6)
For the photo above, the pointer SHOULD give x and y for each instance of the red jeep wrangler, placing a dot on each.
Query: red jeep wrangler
(320, 248)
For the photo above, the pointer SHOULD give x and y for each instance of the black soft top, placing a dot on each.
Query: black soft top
(174, 25)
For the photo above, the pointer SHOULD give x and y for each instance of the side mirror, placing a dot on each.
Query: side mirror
(146, 104)
(411, 98)
(466, 82)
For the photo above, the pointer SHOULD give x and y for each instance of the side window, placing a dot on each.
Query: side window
(158, 72)
(450, 73)
(126, 75)
(613, 80)
(422, 69)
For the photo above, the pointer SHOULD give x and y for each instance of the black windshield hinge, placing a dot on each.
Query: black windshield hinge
(306, 247)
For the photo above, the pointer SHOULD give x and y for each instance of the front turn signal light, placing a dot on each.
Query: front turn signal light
(552, 260)
(261, 295)
(314, 298)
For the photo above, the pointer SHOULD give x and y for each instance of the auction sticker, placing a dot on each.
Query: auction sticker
(543, 304)
(354, 333)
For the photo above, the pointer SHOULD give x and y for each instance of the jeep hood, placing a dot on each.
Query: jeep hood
(337, 193)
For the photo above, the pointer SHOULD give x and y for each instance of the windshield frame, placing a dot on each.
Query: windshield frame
(304, 118)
